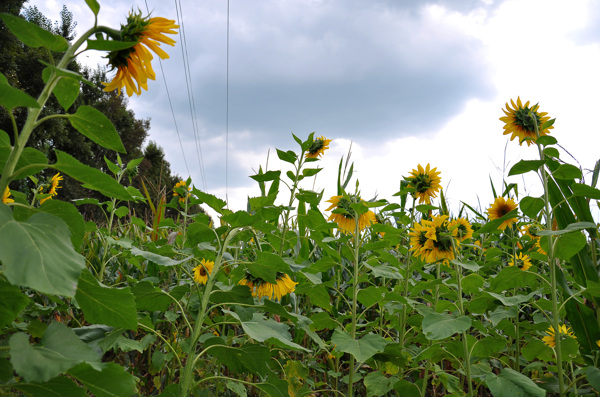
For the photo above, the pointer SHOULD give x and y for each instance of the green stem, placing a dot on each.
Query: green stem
(354, 304)
(292, 196)
(406, 282)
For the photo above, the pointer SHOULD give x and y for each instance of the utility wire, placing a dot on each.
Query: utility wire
(171, 104)
(190, 91)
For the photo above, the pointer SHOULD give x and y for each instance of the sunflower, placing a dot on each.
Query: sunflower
(179, 190)
(425, 182)
(550, 338)
(521, 261)
(202, 271)
(431, 240)
(461, 229)
(520, 123)
(134, 64)
(318, 147)
(54, 185)
(501, 207)
(532, 231)
(346, 217)
(259, 287)
(6, 196)
(418, 238)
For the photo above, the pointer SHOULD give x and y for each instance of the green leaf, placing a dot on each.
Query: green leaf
(104, 305)
(513, 300)
(362, 349)
(124, 344)
(109, 45)
(112, 381)
(33, 159)
(512, 277)
(12, 303)
(552, 152)
(593, 376)
(34, 36)
(524, 166)
(546, 140)
(371, 295)
(11, 97)
(531, 206)
(249, 358)
(438, 326)
(60, 350)
(407, 389)
(385, 271)
(96, 126)
(66, 91)
(472, 283)
(317, 294)
(536, 349)
(94, 179)
(307, 172)
(267, 266)
(511, 383)
(94, 6)
(583, 190)
(493, 225)
(39, 254)
(470, 265)
(70, 215)
(57, 387)
(567, 171)
(158, 259)
(488, 346)
(288, 157)
(378, 384)
(151, 298)
(237, 294)
(569, 244)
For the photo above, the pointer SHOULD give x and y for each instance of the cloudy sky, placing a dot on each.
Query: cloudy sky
(401, 82)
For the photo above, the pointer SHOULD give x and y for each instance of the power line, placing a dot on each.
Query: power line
(171, 104)
(190, 91)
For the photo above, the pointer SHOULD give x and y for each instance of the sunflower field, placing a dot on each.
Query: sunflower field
(317, 296)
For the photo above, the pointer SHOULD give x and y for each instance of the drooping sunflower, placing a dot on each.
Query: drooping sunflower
(521, 261)
(318, 147)
(418, 237)
(346, 217)
(532, 230)
(501, 207)
(134, 64)
(202, 271)
(52, 187)
(259, 287)
(550, 339)
(179, 190)
(520, 123)
(425, 182)
(6, 196)
(440, 245)
(461, 229)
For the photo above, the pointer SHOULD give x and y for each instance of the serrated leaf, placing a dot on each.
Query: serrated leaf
(32, 35)
(96, 126)
(104, 305)
(66, 91)
(378, 384)
(11, 97)
(438, 326)
(362, 349)
(60, 349)
(38, 253)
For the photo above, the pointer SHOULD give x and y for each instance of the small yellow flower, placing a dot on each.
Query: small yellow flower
(179, 190)
(521, 261)
(347, 220)
(54, 185)
(425, 182)
(550, 339)
(318, 147)
(6, 196)
(501, 207)
(202, 271)
(521, 124)
(134, 65)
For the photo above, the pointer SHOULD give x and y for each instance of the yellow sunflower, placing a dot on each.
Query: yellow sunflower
(431, 240)
(418, 237)
(259, 287)
(521, 261)
(179, 190)
(521, 124)
(134, 64)
(501, 207)
(318, 147)
(6, 196)
(461, 229)
(53, 186)
(550, 339)
(202, 271)
(425, 182)
(347, 217)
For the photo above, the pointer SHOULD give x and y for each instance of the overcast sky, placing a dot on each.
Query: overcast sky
(406, 82)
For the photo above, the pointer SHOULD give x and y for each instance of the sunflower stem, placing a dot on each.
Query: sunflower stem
(406, 282)
(356, 253)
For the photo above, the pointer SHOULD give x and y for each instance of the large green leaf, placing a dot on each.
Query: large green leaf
(57, 387)
(94, 179)
(96, 126)
(378, 384)
(12, 302)
(11, 97)
(66, 91)
(569, 244)
(60, 350)
(511, 383)
(267, 266)
(362, 349)
(112, 381)
(524, 166)
(31, 162)
(104, 305)
(39, 254)
(70, 215)
(32, 35)
(151, 298)
(493, 225)
(250, 358)
(438, 326)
